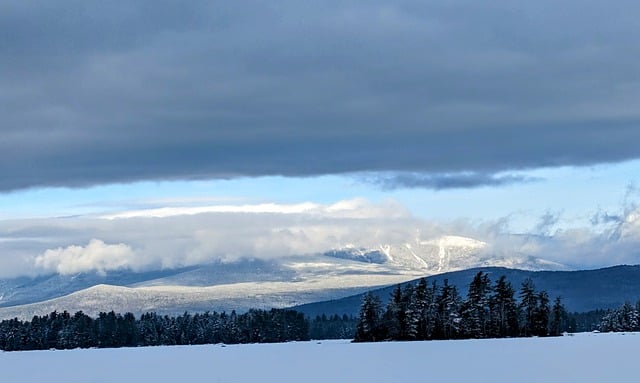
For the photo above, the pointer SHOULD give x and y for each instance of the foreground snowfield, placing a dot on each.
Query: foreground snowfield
(579, 358)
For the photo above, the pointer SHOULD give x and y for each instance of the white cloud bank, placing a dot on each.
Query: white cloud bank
(260, 208)
(95, 256)
(142, 241)
(354, 208)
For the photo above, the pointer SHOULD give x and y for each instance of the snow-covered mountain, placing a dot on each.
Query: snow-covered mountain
(239, 285)
(447, 253)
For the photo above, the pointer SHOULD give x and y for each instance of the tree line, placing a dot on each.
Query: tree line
(490, 310)
(415, 312)
(624, 318)
(108, 330)
(332, 327)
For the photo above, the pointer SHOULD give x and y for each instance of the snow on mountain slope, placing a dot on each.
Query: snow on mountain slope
(25, 290)
(175, 300)
(439, 255)
(221, 286)
(254, 283)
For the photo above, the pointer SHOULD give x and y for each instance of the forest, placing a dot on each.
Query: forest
(490, 310)
(624, 318)
(110, 330)
(414, 312)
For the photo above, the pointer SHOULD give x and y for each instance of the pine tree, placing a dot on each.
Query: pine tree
(541, 315)
(128, 329)
(504, 310)
(83, 330)
(395, 320)
(149, 329)
(232, 329)
(624, 318)
(476, 309)
(558, 318)
(369, 328)
(528, 306)
(630, 315)
(419, 309)
(448, 312)
(37, 334)
(410, 330)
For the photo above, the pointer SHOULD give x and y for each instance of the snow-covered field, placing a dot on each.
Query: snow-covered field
(580, 358)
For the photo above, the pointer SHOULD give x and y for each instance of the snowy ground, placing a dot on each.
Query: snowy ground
(579, 358)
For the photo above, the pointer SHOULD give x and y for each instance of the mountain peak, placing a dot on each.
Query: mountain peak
(438, 255)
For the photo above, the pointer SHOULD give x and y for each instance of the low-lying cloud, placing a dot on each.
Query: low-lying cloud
(95, 256)
(74, 245)
(143, 240)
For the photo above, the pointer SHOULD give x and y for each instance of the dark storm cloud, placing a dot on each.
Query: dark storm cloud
(97, 92)
(438, 181)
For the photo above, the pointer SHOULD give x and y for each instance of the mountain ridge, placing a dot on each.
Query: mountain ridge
(580, 290)
(292, 279)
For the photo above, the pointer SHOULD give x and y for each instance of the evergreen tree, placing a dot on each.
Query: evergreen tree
(231, 329)
(64, 331)
(333, 327)
(395, 315)
(369, 327)
(504, 310)
(400, 316)
(528, 307)
(541, 315)
(54, 327)
(448, 312)
(128, 330)
(149, 329)
(420, 304)
(558, 318)
(624, 318)
(410, 331)
(476, 310)
(37, 334)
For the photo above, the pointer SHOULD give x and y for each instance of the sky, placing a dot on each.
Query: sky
(268, 129)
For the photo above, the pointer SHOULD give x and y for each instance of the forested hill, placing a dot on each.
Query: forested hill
(581, 291)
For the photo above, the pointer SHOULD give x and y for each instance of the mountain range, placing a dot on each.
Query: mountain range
(246, 283)
(580, 290)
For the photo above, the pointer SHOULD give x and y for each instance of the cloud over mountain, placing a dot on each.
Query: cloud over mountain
(144, 242)
(95, 256)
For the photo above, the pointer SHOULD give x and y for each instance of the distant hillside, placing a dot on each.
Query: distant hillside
(581, 291)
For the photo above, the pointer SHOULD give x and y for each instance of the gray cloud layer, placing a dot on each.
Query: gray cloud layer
(438, 181)
(94, 92)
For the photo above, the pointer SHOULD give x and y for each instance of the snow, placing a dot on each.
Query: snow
(175, 300)
(287, 281)
(420, 261)
(580, 358)
(456, 241)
